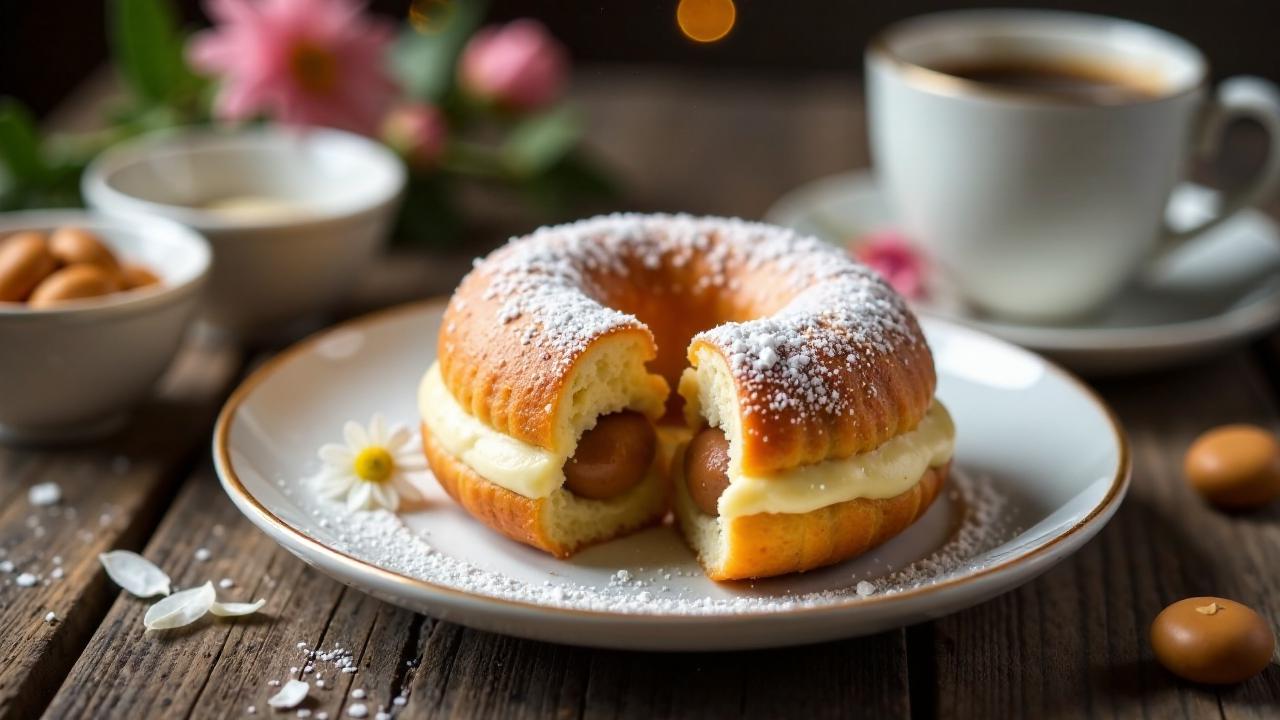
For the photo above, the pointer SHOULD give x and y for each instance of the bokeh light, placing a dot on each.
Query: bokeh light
(705, 21)
(429, 16)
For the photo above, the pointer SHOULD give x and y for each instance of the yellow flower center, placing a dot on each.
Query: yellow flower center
(314, 68)
(374, 464)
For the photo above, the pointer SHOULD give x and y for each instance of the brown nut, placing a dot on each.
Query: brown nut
(73, 282)
(1212, 640)
(706, 469)
(25, 260)
(1235, 466)
(612, 457)
(135, 276)
(74, 246)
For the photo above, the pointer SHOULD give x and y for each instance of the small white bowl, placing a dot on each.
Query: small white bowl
(75, 370)
(270, 267)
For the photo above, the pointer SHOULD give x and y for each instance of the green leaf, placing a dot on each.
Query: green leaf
(19, 144)
(429, 216)
(539, 142)
(424, 59)
(148, 49)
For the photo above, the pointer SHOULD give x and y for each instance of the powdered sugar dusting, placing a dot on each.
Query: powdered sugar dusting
(384, 539)
(546, 288)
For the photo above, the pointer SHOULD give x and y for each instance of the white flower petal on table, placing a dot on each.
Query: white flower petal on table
(355, 436)
(134, 573)
(181, 608)
(291, 695)
(336, 455)
(236, 609)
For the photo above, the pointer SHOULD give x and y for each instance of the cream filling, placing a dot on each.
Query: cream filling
(534, 472)
(499, 458)
(888, 470)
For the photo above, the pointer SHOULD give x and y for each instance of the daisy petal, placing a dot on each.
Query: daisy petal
(409, 492)
(410, 462)
(385, 496)
(333, 485)
(399, 436)
(336, 455)
(358, 496)
(377, 430)
(357, 438)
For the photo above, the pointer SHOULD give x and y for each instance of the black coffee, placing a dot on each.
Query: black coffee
(1062, 79)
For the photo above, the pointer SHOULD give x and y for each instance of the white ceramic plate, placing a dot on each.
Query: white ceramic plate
(1218, 291)
(1040, 467)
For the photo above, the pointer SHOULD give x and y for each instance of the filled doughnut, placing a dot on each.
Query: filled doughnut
(810, 429)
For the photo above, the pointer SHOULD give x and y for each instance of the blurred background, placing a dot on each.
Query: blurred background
(46, 49)
(721, 107)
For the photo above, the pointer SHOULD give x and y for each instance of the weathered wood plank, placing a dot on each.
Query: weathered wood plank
(219, 668)
(112, 494)
(1077, 637)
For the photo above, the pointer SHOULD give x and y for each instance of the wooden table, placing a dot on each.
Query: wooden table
(1072, 643)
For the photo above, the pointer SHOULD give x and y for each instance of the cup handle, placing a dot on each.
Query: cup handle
(1239, 97)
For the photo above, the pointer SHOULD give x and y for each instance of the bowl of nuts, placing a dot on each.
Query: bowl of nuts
(92, 311)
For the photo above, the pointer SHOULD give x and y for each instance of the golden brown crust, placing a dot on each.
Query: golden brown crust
(518, 324)
(515, 389)
(518, 517)
(513, 515)
(769, 544)
(888, 393)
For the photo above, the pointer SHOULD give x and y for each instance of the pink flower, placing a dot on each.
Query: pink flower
(418, 131)
(518, 65)
(890, 254)
(303, 62)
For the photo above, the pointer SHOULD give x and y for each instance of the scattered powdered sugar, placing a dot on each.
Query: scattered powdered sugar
(983, 528)
(383, 539)
(543, 290)
(45, 493)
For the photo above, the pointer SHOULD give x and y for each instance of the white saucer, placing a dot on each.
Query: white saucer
(1219, 291)
(1041, 466)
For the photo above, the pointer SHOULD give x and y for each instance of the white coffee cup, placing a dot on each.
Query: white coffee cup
(1037, 206)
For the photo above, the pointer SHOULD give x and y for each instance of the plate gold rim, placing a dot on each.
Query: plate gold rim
(235, 488)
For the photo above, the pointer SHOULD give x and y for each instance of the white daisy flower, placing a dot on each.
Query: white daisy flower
(371, 470)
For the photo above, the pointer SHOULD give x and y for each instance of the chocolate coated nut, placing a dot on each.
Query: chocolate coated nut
(1235, 466)
(1212, 640)
(612, 457)
(74, 246)
(706, 469)
(73, 282)
(25, 260)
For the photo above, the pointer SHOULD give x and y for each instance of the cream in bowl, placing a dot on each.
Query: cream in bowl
(293, 216)
(93, 311)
